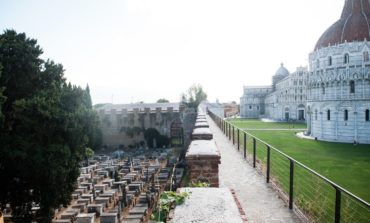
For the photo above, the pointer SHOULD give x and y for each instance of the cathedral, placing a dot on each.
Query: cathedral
(333, 96)
(284, 100)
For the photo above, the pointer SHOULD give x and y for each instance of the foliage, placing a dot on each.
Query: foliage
(166, 202)
(131, 131)
(161, 140)
(47, 124)
(194, 96)
(2, 100)
(89, 153)
(199, 184)
(162, 100)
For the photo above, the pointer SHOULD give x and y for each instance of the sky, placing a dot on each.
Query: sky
(143, 50)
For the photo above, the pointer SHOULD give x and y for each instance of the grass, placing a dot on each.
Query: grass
(257, 124)
(345, 164)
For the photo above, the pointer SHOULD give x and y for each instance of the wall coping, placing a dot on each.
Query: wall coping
(202, 148)
(208, 205)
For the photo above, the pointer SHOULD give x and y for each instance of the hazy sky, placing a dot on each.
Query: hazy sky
(143, 50)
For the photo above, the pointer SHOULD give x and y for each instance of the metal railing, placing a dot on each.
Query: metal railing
(317, 198)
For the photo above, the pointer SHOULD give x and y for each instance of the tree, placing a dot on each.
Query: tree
(194, 96)
(2, 100)
(152, 134)
(44, 132)
(89, 153)
(162, 100)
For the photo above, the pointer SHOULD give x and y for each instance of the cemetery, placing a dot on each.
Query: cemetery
(119, 190)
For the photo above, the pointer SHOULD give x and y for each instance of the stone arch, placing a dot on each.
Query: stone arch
(287, 113)
(346, 58)
(301, 112)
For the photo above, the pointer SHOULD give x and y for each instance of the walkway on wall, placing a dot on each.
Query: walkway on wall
(260, 203)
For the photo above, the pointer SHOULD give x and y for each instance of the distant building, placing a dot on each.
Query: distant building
(216, 108)
(124, 124)
(285, 99)
(333, 97)
(339, 81)
(231, 109)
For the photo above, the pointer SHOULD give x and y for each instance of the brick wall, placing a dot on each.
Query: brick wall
(203, 158)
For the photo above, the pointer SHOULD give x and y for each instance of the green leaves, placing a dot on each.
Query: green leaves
(166, 201)
(45, 125)
(194, 96)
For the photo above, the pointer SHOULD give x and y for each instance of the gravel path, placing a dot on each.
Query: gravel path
(260, 203)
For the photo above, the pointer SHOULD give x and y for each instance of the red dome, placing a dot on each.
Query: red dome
(353, 25)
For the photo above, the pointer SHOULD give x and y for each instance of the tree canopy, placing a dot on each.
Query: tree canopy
(194, 96)
(162, 100)
(45, 127)
(152, 134)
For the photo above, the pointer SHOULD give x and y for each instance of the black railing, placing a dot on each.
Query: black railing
(317, 198)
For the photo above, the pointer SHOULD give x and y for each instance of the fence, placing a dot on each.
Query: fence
(304, 190)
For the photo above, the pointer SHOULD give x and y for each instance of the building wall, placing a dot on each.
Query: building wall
(118, 120)
(341, 85)
(252, 103)
(289, 98)
(284, 103)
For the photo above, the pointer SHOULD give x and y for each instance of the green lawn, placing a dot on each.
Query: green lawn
(257, 124)
(346, 164)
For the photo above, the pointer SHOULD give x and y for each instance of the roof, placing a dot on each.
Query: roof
(352, 26)
(282, 71)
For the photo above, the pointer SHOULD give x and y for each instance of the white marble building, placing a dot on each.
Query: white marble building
(252, 103)
(288, 102)
(334, 96)
(339, 82)
(284, 100)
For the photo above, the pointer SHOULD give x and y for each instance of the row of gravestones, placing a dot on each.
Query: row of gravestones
(102, 195)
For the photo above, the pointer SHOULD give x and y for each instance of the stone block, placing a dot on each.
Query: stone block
(85, 218)
(108, 218)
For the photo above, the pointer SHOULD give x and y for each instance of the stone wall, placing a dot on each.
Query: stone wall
(203, 158)
(125, 124)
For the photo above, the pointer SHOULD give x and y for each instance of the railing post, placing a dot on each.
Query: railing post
(225, 123)
(233, 135)
(268, 165)
(245, 145)
(291, 183)
(254, 152)
(238, 139)
(229, 131)
(337, 205)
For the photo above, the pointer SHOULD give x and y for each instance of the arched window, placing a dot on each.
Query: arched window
(346, 115)
(367, 115)
(323, 89)
(329, 61)
(346, 58)
(352, 87)
(366, 56)
(315, 114)
(328, 114)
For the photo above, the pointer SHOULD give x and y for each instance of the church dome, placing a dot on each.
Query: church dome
(353, 25)
(282, 71)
